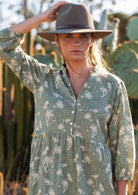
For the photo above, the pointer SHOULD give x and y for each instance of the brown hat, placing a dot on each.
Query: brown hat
(74, 18)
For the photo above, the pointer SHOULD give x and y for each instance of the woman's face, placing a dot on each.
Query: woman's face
(74, 47)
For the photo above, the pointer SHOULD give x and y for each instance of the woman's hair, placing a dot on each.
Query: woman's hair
(94, 55)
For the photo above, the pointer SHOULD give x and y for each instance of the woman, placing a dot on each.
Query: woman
(79, 107)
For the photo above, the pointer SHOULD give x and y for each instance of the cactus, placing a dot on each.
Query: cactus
(103, 21)
(132, 29)
(121, 48)
(19, 108)
(1, 146)
(14, 130)
(6, 109)
(1, 137)
(124, 19)
(1, 183)
(111, 41)
(11, 147)
(29, 43)
(24, 112)
(1, 87)
(125, 65)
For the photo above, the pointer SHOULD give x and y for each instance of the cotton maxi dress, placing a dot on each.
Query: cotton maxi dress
(69, 153)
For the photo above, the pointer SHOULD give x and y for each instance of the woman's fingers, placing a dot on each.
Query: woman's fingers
(51, 13)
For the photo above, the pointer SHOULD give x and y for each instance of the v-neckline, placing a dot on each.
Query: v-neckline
(84, 85)
(80, 87)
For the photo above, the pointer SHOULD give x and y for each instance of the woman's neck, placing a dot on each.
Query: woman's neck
(78, 74)
(77, 69)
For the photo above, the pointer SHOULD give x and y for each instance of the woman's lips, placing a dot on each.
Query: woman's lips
(76, 51)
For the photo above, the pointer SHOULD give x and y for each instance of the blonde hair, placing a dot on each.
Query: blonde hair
(94, 55)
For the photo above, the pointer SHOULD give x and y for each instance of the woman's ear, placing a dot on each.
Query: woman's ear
(56, 39)
(57, 42)
(92, 41)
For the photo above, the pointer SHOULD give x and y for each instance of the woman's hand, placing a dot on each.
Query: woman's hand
(51, 13)
(46, 16)
(122, 187)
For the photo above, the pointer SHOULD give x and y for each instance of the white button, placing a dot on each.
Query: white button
(70, 123)
(72, 112)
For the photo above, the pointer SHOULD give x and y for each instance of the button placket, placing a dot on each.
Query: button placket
(74, 105)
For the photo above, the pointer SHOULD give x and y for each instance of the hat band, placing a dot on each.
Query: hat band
(74, 26)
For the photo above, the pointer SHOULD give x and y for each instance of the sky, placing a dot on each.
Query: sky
(8, 16)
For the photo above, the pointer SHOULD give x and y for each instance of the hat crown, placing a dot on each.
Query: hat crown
(74, 18)
(71, 15)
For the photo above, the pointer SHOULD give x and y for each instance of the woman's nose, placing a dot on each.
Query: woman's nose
(76, 41)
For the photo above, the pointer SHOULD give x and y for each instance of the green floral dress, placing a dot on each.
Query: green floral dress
(69, 153)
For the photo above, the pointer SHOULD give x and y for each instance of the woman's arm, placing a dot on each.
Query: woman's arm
(121, 139)
(46, 16)
(122, 187)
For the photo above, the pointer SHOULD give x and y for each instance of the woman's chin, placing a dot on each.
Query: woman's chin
(75, 58)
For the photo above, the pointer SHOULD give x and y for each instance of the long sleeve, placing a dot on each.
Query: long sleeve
(26, 68)
(121, 137)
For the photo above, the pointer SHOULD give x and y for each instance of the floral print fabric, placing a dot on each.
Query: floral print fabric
(69, 153)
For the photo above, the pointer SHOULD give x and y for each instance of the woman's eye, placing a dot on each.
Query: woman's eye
(83, 36)
(68, 36)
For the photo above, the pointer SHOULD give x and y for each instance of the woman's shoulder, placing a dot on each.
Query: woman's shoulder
(108, 76)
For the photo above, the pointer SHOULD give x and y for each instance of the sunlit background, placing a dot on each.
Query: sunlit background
(11, 11)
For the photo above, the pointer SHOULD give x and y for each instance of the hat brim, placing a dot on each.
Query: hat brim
(97, 34)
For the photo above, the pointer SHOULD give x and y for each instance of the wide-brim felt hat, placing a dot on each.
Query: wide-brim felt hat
(74, 18)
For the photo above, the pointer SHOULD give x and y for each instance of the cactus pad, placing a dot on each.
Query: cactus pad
(124, 47)
(132, 29)
(126, 67)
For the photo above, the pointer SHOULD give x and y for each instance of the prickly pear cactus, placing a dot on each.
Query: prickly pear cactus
(132, 29)
(125, 65)
(121, 48)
